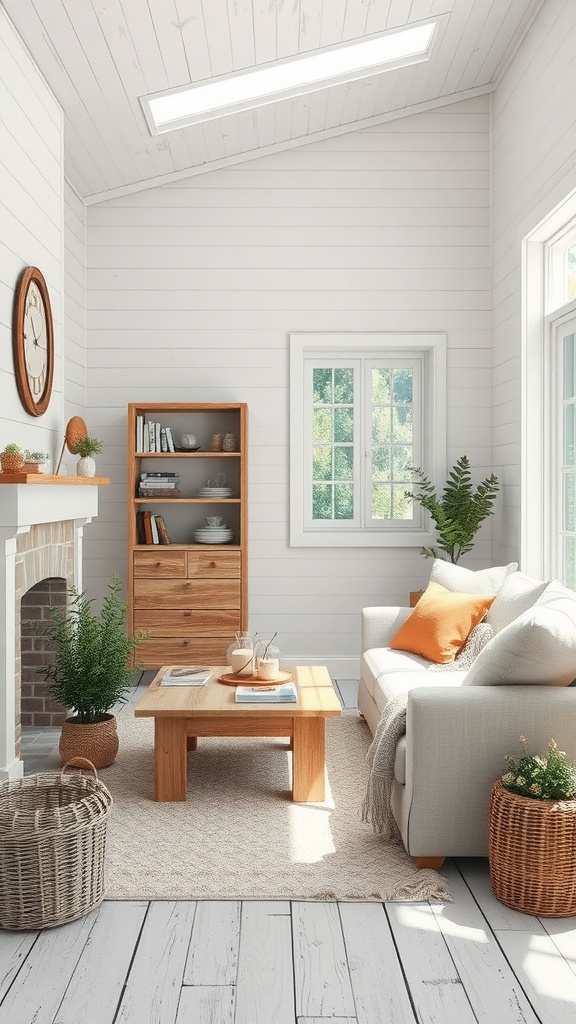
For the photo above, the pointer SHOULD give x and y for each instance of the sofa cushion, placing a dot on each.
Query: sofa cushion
(440, 623)
(537, 647)
(461, 580)
(381, 659)
(392, 684)
(517, 594)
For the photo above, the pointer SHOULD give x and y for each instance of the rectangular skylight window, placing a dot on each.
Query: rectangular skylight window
(228, 94)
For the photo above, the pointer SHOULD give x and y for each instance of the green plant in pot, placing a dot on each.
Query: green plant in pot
(91, 671)
(33, 461)
(459, 513)
(12, 458)
(87, 448)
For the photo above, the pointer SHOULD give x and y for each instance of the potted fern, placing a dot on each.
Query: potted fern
(459, 513)
(91, 671)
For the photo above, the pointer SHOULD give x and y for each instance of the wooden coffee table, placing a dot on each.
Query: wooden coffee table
(183, 713)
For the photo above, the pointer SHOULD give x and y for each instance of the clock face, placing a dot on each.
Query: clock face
(33, 342)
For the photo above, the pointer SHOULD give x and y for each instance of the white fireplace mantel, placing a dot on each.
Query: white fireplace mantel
(23, 506)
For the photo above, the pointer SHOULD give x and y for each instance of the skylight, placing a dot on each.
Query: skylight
(177, 108)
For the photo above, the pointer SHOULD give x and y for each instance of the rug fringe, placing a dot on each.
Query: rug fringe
(427, 885)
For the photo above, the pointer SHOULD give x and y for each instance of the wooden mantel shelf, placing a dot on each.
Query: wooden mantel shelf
(45, 478)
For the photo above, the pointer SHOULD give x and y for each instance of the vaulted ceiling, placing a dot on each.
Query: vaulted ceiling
(100, 56)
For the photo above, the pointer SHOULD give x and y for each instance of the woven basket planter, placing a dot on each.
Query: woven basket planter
(52, 846)
(532, 852)
(11, 462)
(96, 741)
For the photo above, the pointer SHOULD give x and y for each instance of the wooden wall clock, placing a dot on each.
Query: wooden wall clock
(33, 340)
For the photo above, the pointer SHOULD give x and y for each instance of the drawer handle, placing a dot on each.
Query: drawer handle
(187, 615)
(185, 643)
(212, 565)
(186, 585)
(158, 565)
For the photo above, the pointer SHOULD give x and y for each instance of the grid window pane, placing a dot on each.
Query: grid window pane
(402, 424)
(321, 385)
(322, 501)
(569, 556)
(343, 463)
(402, 462)
(381, 501)
(569, 434)
(381, 426)
(401, 505)
(343, 501)
(569, 502)
(344, 386)
(322, 426)
(343, 424)
(569, 365)
(322, 463)
(381, 393)
(381, 464)
(402, 387)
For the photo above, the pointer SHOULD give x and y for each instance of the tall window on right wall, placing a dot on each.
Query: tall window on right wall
(560, 406)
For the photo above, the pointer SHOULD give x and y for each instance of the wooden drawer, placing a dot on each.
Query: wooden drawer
(186, 594)
(180, 651)
(188, 622)
(159, 564)
(213, 563)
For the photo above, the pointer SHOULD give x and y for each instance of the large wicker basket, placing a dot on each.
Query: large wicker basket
(532, 852)
(52, 844)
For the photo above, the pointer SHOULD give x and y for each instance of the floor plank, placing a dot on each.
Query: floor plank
(321, 976)
(265, 990)
(435, 986)
(107, 954)
(498, 915)
(201, 1004)
(492, 988)
(154, 983)
(378, 986)
(14, 949)
(545, 976)
(213, 953)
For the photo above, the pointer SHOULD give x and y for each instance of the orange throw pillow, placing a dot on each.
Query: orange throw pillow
(440, 623)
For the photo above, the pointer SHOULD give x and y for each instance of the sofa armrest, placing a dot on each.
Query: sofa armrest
(380, 624)
(456, 743)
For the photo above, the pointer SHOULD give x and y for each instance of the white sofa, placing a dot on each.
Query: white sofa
(461, 724)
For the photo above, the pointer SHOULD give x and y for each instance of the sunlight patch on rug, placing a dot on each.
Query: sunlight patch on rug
(240, 836)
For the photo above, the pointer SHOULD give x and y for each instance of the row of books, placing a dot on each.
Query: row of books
(152, 436)
(151, 528)
(159, 485)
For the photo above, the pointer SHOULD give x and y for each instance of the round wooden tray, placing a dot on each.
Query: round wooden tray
(230, 679)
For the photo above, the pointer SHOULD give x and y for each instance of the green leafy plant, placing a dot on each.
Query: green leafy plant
(36, 456)
(461, 510)
(12, 449)
(87, 446)
(542, 778)
(92, 667)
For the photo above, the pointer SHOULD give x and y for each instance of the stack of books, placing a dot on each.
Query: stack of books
(186, 675)
(152, 436)
(151, 529)
(283, 694)
(159, 485)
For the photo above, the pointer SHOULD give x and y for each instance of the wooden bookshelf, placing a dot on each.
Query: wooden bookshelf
(191, 597)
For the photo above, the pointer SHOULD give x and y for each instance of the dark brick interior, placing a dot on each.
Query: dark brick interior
(37, 707)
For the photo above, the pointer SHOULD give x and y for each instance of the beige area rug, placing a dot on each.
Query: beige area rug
(240, 836)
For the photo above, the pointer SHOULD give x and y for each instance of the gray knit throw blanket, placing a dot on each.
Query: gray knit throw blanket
(376, 808)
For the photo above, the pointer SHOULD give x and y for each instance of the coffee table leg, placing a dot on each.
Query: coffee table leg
(308, 760)
(169, 759)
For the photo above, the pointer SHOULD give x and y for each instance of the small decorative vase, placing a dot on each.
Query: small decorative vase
(240, 655)
(97, 741)
(86, 466)
(532, 853)
(12, 462)
(268, 659)
(229, 443)
(216, 443)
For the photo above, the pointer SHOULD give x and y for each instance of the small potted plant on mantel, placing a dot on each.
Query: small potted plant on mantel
(91, 671)
(12, 458)
(34, 462)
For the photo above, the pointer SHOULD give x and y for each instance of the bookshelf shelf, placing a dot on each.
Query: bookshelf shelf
(191, 597)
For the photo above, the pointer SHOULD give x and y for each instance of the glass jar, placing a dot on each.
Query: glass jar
(268, 658)
(229, 443)
(240, 655)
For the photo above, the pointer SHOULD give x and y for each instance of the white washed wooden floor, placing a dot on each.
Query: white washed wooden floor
(259, 962)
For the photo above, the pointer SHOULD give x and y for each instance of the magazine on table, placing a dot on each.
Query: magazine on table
(186, 675)
(285, 693)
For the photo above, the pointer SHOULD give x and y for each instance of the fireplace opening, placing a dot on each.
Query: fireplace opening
(37, 708)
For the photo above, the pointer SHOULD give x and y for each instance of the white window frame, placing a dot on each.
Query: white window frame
(558, 326)
(428, 348)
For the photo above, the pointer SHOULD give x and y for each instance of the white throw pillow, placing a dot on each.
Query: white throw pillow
(553, 591)
(466, 581)
(537, 647)
(517, 594)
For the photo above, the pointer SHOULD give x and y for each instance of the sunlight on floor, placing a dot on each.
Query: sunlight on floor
(547, 971)
(310, 833)
(424, 918)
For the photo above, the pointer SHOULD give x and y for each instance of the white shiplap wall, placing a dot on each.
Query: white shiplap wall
(534, 168)
(74, 307)
(194, 288)
(31, 228)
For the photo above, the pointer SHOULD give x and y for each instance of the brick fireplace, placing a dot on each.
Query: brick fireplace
(41, 533)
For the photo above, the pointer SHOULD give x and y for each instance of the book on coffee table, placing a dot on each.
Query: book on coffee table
(283, 694)
(186, 675)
